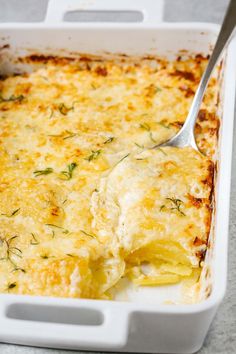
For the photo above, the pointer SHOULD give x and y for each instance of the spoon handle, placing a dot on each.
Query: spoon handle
(226, 31)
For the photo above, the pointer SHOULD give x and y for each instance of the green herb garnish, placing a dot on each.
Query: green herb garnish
(164, 153)
(58, 227)
(109, 140)
(44, 256)
(68, 174)
(87, 234)
(15, 211)
(122, 159)
(69, 135)
(146, 127)
(11, 286)
(12, 214)
(140, 146)
(12, 98)
(11, 251)
(94, 155)
(175, 204)
(34, 240)
(64, 109)
(47, 171)
(19, 270)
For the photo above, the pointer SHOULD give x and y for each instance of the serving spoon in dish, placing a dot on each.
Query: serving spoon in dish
(185, 137)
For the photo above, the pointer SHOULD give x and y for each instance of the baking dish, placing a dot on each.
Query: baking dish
(141, 325)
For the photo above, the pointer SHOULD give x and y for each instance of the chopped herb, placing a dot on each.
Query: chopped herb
(44, 256)
(87, 234)
(122, 159)
(146, 127)
(94, 155)
(11, 251)
(19, 270)
(15, 211)
(12, 214)
(164, 153)
(69, 255)
(175, 205)
(70, 135)
(109, 140)
(47, 171)
(68, 174)
(12, 98)
(58, 227)
(158, 89)
(55, 135)
(11, 286)
(140, 146)
(34, 240)
(64, 201)
(64, 109)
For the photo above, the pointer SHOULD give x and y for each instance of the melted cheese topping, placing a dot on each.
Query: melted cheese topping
(83, 201)
(155, 206)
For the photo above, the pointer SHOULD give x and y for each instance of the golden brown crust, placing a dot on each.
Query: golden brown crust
(64, 127)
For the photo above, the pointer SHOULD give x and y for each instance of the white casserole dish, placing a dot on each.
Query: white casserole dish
(140, 325)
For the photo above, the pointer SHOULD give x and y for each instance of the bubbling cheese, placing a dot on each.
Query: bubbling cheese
(84, 201)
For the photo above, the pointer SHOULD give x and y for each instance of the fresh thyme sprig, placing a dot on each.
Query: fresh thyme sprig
(34, 240)
(46, 171)
(140, 146)
(124, 157)
(146, 127)
(45, 256)
(109, 140)
(11, 251)
(69, 135)
(161, 150)
(175, 204)
(12, 214)
(11, 286)
(70, 168)
(12, 98)
(65, 231)
(94, 155)
(87, 234)
(63, 109)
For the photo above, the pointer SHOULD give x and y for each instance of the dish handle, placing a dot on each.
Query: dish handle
(62, 323)
(141, 11)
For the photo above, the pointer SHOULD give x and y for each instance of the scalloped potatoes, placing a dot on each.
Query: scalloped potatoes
(84, 201)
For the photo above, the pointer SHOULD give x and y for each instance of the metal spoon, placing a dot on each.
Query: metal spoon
(185, 137)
